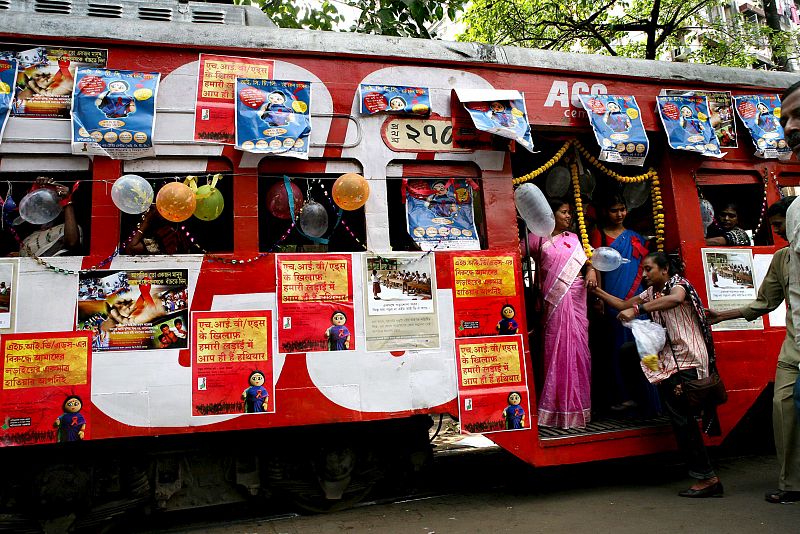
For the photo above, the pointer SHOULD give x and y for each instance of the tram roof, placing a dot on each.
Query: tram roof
(217, 37)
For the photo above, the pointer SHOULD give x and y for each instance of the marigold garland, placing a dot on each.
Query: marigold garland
(576, 191)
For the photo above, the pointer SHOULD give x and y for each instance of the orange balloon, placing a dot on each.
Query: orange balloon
(176, 202)
(350, 191)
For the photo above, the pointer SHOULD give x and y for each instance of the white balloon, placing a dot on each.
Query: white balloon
(706, 212)
(607, 259)
(132, 194)
(313, 219)
(534, 209)
(557, 182)
(40, 206)
(636, 194)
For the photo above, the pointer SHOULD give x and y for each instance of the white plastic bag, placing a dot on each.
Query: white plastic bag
(650, 339)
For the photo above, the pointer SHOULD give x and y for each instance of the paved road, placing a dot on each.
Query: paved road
(491, 492)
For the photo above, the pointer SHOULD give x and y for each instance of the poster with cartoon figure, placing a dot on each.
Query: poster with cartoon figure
(114, 112)
(134, 310)
(394, 99)
(720, 114)
(439, 214)
(232, 363)
(46, 393)
(500, 113)
(8, 73)
(8, 294)
(273, 116)
(617, 124)
(46, 78)
(761, 115)
(492, 389)
(487, 294)
(686, 121)
(315, 303)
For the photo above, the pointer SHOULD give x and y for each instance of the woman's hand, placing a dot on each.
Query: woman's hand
(626, 315)
(591, 279)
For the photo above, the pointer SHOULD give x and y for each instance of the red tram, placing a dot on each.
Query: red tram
(341, 420)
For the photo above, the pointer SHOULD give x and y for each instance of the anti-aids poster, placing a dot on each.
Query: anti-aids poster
(500, 113)
(720, 114)
(46, 393)
(114, 113)
(134, 310)
(686, 121)
(486, 299)
(617, 124)
(215, 106)
(761, 115)
(394, 99)
(730, 284)
(315, 303)
(439, 214)
(400, 301)
(8, 75)
(492, 385)
(273, 117)
(232, 363)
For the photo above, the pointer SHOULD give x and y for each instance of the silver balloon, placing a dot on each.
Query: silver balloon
(534, 209)
(607, 259)
(557, 182)
(40, 206)
(636, 194)
(706, 212)
(587, 183)
(313, 219)
(132, 194)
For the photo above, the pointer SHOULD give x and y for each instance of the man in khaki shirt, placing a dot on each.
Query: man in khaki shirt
(774, 290)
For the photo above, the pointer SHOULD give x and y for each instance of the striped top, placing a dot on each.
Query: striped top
(684, 338)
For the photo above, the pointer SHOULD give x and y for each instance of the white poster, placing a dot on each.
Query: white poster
(730, 284)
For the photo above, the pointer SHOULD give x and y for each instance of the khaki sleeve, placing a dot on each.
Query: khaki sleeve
(770, 294)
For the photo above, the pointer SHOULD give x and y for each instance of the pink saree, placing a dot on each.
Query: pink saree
(565, 400)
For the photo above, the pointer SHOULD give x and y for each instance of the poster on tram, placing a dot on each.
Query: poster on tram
(761, 116)
(731, 283)
(686, 121)
(720, 114)
(134, 310)
(315, 302)
(617, 124)
(394, 99)
(46, 394)
(8, 75)
(232, 363)
(498, 112)
(439, 214)
(492, 385)
(8, 294)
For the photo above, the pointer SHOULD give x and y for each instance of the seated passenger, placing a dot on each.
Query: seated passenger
(55, 238)
(156, 235)
(725, 231)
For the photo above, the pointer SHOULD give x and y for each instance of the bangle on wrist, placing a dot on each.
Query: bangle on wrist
(637, 309)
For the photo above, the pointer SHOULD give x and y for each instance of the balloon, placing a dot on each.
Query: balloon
(534, 209)
(210, 203)
(175, 202)
(636, 194)
(40, 206)
(132, 194)
(557, 183)
(706, 212)
(607, 259)
(278, 201)
(314, 219)
(587, 183)
(350, 191)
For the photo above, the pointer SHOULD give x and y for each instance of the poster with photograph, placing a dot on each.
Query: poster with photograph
(273, 116)
(134, 310)
(617, 124)
(232, 365)
(400, 301)
(8, 296)
(46, 77)
(114, 113)
(730, 284)
(8, 73)
(215, 105)
(686, 121)
(761, 116)
(315, 302)
(394, 99)
(720, 114)
(439, 214)
(492, 386)
(46, 393)
(486, 295)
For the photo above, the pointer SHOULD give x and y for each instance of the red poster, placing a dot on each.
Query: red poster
(315, 303)
(232, 363)
(486, 294)
(492, 387)
(46, 394)
(215, 107)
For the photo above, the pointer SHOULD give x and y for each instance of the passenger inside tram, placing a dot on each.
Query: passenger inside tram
(725, 230)
(156, 235)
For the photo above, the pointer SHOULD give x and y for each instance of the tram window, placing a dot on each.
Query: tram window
(67, 235)
(737, 211)
(156, 235)
(342, 235)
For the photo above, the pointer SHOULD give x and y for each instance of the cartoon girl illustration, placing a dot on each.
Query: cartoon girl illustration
(615, 119)
(507, 324)
(256, 397)
(766, 120)
(499, 115)
(338, 335)
(514, 414)
(274, 111)
(441, 202)
(116, 103)
(71, 424)
(397, 103)
(689, 123)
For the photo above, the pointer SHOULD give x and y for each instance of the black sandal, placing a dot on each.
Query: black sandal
(782, 497)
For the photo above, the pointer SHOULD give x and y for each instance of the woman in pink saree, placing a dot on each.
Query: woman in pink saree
(565, 400)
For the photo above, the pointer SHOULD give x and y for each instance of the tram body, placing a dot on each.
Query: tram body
(143, 394)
